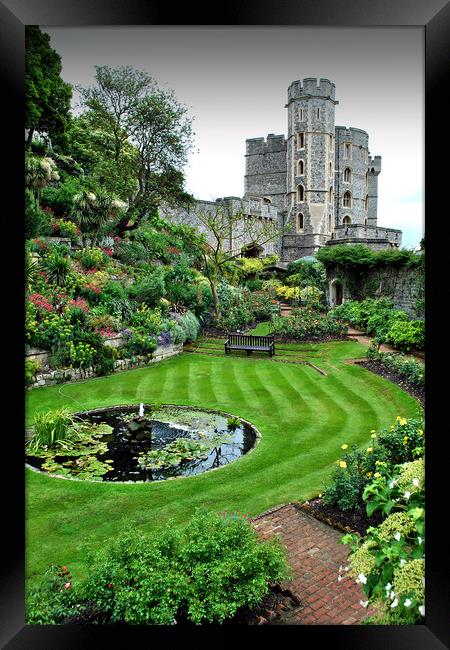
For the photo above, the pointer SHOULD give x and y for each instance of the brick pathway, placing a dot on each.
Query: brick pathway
(315, 556)
(366, 340)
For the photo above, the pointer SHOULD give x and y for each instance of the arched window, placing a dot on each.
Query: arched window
(346, 220)
(347, 202)
(300, 193)
(299, 222)
(367, 179)
(347, 175)
(365, 221)
(330, 195)
(301, 168)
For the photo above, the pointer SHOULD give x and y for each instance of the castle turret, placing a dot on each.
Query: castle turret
(310, 166)
(372, 191)
(352, 178)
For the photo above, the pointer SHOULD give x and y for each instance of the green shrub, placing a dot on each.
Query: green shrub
(92, 258)
(31, 368)
(58, 269)
(140, 343)
(203, 574)
(190, 325)
(150, 289)
(407, 336)
(306, 324)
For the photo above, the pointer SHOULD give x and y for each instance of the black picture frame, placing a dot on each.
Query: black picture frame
(434, 17)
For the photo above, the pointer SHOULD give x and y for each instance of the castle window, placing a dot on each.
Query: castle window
(299, 222)
(301, 168)
(301, 114)
(347, 175)
(331, 170)
(347, 150)
(365, 221)
(331, 142)
(346, 220)
(329, 222)
(347, 201)
(267, 199)
(366, 202)
(367, 179)
(300, 193)
(330, 195)
(318, 113)
(300, 140)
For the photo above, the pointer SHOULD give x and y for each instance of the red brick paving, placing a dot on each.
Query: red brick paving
(315, 555)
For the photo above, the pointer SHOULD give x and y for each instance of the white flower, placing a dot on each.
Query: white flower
(416, 482)
(364, 603)
(407, 495)
(419, 539)
(339, 578)
(422, 610)
(392, 483)
(392, 595)
(402, 562)
(407, 602)
(395, 603)
(362, 578)
(346, 568)
(388, 587)
(397, 536)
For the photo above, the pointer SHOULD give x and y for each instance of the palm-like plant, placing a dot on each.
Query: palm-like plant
(58, 269)
(92, 211)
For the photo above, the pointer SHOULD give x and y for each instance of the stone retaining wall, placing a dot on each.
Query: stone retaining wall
(63, 375)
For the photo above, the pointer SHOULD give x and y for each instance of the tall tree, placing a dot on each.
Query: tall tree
(47, 96)
(149, 132)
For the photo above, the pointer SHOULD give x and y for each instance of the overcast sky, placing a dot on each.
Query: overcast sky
(234, 81)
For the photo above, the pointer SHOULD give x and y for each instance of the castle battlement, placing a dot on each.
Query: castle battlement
(255, 146)
(311, 87)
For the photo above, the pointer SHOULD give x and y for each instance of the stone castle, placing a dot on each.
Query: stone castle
(319, 184)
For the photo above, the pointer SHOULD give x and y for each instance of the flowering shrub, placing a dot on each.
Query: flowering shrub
(389, 562)
(41, 303)
(409, 368)
(306, 324)
(92, 258)
(81, 355)
(399, 443)
(202, 573)
(79, 303)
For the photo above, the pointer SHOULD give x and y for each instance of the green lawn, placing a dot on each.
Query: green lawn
(302, 415)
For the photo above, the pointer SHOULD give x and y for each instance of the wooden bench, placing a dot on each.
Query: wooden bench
(249, 343)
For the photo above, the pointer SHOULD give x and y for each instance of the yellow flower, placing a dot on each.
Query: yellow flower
(344, 446)
(342, 463)
(373, 436)
(398, 418)
(377, 475)
(405, 440)
(403, 421)
(373, 431)
(392, 428)
(320, 495)
(369, 450)
(420, 432)
(369, 474)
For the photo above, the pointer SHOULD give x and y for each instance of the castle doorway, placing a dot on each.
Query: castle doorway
(336, 293)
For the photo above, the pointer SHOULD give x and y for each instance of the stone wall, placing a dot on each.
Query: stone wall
(63, 375)
(402, 285)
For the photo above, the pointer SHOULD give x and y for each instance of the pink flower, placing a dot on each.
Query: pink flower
(67, 585)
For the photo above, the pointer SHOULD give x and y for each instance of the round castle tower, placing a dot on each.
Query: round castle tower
(352, 177)
(310, 197)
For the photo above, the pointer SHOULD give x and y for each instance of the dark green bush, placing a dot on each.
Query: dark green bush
(407, 367)
(203, 574)
(150, 288)
(407, 336)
